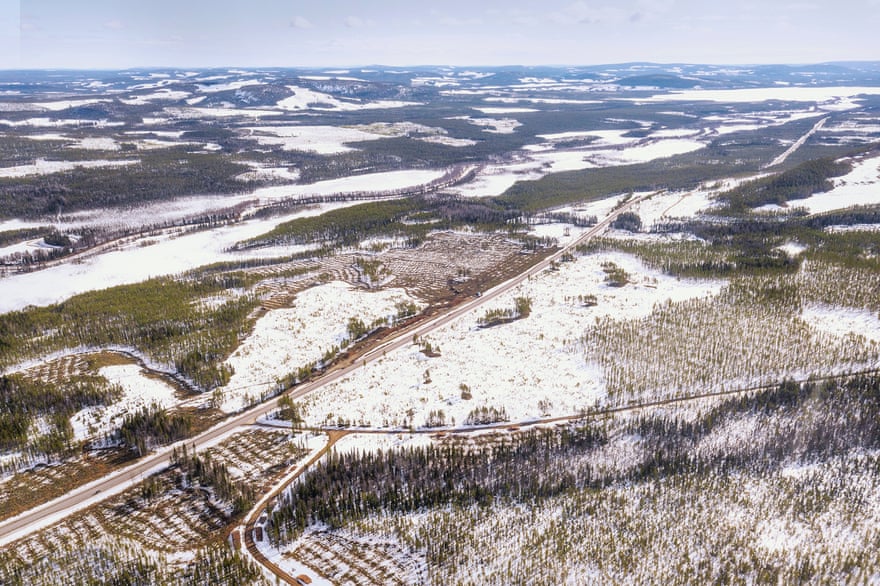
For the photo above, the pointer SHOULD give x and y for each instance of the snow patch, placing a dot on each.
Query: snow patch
(286, 339)
(842, 321)
(140, 391)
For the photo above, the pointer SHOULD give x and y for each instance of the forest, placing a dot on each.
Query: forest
(582, 473)
(154, 175)
(161, 318)
(797, 183)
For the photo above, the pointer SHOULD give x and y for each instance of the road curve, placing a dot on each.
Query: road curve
(53, 511)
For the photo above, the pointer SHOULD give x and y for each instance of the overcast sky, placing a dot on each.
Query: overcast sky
(204, 33)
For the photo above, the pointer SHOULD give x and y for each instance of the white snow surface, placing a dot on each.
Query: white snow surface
(133, 263)
(306, 99)
(496, 179)
(672, 204)
(534, 161)
(285, 339)
(792, 249)
(492, 125)
(574, 160)
(530, 366)
(59, 105)
(861, 186)
(496, 110)
(140, 391)
(163, 94)
(44, 167)
(196, 113)
(324, 140)
(826, 95)
(842, 321)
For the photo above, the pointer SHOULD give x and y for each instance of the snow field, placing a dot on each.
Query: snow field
(827, 97)
(861, 186)
(535, 161)
(842, 321)
(492, 125)
(306, 99)
(324, 140)
(532, 367)
(284, 340)
(140, 390)
(269, 174)
(44, 167)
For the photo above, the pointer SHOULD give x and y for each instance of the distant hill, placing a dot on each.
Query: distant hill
(659, 80)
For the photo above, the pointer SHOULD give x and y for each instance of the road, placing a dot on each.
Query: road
(117, 481)
(798, 144)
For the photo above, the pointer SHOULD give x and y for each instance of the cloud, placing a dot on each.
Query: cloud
(301, 22)
(114, 25)
(357, 22)
(582, 12)
(457, 22)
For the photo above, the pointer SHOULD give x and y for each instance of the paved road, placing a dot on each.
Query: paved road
(115, 482)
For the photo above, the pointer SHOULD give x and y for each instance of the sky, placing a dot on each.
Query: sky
(112, 34)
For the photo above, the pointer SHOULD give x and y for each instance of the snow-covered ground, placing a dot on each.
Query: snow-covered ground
(44, 167)
(493, 111)
(261, 173)
(492, 125)
(842, 321)
(284, 340)
(170, 254)
(35, 247)
(575, 160)
(531, 367)
(134, 262)
(496, 179)
(829, 97)
(192, 113)
(535, 161)
(140, 391)
(673, 204)
(861, 186)
(306, 99)
(163, 94)
(324, 140)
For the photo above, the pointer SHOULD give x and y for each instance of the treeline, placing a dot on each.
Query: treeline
(797, 183)
(409, 218)
(8, 237)
(161, 317)
(25, 400)
(349, 486)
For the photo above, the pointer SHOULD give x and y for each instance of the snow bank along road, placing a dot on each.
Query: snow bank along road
(116, 482)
